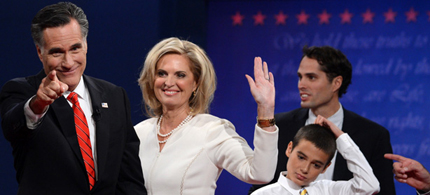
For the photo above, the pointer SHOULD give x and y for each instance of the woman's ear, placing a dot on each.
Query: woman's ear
(195, 86)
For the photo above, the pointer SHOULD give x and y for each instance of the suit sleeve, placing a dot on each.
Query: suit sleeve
(13, 97)
(383, 167)
(364, 180)
(130, 179)
(374, 141)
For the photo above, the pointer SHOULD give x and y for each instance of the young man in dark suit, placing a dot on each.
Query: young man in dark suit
(50, 155)
(324, 76)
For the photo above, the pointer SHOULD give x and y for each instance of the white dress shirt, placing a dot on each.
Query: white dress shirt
(337, 119)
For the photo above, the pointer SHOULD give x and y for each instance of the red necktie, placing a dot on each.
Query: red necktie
(83, 133)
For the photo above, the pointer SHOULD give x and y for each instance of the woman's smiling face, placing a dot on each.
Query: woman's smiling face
(174, 81)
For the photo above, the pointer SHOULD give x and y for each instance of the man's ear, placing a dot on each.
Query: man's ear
(325, 168)
(85, 47)
(39, 52)
(336, 83)
(289, 149)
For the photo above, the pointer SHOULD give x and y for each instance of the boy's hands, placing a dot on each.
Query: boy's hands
(328, 124)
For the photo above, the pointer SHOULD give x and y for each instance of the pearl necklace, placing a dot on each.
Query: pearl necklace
(188, 118)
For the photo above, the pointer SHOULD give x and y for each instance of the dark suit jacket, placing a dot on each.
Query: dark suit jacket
(372, 139)
(48, 159)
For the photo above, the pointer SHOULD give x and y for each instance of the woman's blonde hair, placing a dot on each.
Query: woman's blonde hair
(201, 66)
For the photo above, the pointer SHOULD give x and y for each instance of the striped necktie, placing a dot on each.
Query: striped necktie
(83, 134)
(303, 191)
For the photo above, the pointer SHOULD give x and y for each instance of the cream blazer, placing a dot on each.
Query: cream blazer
(194, 156)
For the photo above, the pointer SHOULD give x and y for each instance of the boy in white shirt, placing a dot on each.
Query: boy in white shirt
(310, 153)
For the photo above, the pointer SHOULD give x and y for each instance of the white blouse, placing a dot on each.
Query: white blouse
(194, 156)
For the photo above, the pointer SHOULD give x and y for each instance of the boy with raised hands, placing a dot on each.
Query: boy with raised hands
(310, 154)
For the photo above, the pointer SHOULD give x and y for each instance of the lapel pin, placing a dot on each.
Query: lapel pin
(105, 105)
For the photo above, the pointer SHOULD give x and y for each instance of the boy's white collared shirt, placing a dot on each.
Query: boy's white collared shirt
(363, 182)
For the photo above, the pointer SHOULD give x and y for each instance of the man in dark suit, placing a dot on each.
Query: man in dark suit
(39, 121)
(324, 76)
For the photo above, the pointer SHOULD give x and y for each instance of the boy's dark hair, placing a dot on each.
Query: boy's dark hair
(322, 137)
(333, 62)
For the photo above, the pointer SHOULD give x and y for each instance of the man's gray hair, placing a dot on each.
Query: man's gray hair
(57, 15)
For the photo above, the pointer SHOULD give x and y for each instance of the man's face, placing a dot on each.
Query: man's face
(64, 50)
(315, 89)
(305, 162)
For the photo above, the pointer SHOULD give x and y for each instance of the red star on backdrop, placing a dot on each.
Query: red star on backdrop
(390, 16)
(280, 18)
(368, 16)
(324, 17)
(302, 18)
(346, 17)
(411, 15)
(237, 19)
(259, 18)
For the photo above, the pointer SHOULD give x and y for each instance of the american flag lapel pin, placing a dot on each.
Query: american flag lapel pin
(105, 105)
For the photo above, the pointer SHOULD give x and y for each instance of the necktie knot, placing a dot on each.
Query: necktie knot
(303, 191)
(73, 97)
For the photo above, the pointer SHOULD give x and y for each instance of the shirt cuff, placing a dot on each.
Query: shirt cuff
(33, 120)
(258, 128)
(343, 142)
(422, 193)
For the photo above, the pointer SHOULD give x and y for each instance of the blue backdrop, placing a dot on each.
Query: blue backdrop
(389, 57)
(387, 43)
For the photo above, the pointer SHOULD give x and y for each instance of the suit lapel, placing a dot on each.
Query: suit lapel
(101, 119)
(341, 171)
(65, 116)
(287, 131)
(301, 117)
(349, 126)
